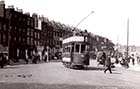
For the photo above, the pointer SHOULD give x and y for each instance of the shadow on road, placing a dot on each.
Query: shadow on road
(97, 68)
(10, 67)
(94, 68)
(116, 73)
(59, 86)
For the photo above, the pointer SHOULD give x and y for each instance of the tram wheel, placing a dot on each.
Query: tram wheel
(81, 67)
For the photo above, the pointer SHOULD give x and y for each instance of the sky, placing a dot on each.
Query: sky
(108, 20)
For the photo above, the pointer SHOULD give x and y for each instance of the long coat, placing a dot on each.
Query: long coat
(108, 62)
(86, 58)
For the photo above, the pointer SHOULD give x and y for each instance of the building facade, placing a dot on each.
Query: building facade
(21, 32)
(17, 32)
(3, 28)
(51, 37)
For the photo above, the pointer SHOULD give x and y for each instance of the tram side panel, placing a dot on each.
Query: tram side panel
(66, 58)
(78, 59)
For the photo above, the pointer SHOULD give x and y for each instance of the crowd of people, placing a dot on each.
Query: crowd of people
(108, 59)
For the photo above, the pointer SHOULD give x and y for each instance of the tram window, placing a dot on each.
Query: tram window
(64, 49)
(77, 48)
(83, 48)
(68, 49)
(72, 48)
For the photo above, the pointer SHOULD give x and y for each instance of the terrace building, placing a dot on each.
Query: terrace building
(17, 32)
(3, 28)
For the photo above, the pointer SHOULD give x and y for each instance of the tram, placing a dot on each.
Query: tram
(76, 52)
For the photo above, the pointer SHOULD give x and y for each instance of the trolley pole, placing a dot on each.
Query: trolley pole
(84, 18)
(82, 21)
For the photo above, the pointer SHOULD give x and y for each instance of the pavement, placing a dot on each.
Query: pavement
(23, 62)
(135, 67)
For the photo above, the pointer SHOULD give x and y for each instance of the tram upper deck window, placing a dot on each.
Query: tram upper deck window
(64, 49)
(67, 49)
(77, 46)
(83, 47)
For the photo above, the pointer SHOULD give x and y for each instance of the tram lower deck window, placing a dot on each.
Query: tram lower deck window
(83, 47)
(77, 48)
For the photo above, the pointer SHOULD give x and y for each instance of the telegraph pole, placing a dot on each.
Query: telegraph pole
(127, 48)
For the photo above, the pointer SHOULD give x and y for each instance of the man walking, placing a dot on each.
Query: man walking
(108, 64)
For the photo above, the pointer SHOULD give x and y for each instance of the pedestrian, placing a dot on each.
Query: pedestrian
(103, 57)
(86, 57)
(5, 61)
(108, 64)
(1, 60)
(133, 59)
(46, 56)
(26, 57)
(35, 57)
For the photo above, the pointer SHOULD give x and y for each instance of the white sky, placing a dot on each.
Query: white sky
(108, 20)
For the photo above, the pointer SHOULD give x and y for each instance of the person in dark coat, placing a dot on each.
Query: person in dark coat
(108, 64)
(35, 57)
(86, 57)
(1, 60)
(5, 59)
(103, 58)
